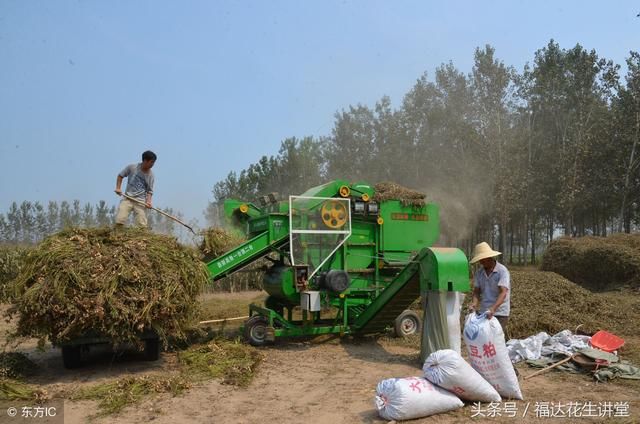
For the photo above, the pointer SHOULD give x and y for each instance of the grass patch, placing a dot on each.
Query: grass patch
(233, 362)
(229, 305)
(114, 396)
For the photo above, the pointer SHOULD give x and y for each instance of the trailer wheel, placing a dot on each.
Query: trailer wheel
(407, 323)
(255, 330)
(71, 356)
(152, 349)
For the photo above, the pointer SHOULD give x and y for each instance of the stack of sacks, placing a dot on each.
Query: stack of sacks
(449, 378)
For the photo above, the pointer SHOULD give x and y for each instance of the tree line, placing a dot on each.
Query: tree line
(29, 222)
(512, 157)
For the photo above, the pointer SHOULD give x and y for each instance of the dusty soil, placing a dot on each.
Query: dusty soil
(325, 380)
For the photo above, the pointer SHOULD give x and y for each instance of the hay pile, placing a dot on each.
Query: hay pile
(108, 283)
(598, 263)
(217, 241)
(392, 191)
(545, 301)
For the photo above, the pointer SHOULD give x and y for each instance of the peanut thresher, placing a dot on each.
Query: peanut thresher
(342, 260)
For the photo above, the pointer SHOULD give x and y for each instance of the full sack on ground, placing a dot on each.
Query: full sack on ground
(413, 397)
(489, 356)
(447, 369)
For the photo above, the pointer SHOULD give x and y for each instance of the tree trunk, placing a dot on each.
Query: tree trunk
(624, 215)
(533, 242)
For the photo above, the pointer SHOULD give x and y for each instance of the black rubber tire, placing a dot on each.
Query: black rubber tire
(72, 356)
(255, 330)
(407, 323)
(152, 349)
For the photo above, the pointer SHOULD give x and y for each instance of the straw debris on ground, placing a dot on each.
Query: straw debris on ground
(13, 390)
(108, 283)
(114, 396)
(230, 360)
(392, 191)
(598, 263)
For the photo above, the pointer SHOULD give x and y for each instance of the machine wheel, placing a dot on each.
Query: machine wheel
(255, 330)
(407, 323)
(152, 349)
(71, 356)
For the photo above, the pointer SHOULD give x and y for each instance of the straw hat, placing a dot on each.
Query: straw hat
(483, 251)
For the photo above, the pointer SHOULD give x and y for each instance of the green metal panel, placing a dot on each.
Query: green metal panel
(259, 224)
(360, 188)
(244, 254)
(408, 228)
(279, 282)
(330, 189)
(445, 269)
(276, 223)
(361, 246)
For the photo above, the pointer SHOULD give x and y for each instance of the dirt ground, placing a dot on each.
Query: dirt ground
(325, 380)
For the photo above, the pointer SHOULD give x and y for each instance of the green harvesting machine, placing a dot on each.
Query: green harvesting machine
(342, 259)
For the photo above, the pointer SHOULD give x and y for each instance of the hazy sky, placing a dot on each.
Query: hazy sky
(210, 86)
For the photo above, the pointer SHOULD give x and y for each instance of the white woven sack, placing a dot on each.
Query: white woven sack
(489, 356)
(413, 397)
(447, 369)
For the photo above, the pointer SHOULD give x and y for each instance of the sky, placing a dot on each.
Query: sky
(211, 86)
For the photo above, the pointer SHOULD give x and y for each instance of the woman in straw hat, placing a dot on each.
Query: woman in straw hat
(492, 285)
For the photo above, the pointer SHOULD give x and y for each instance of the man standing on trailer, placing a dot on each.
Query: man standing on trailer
(139, 187)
